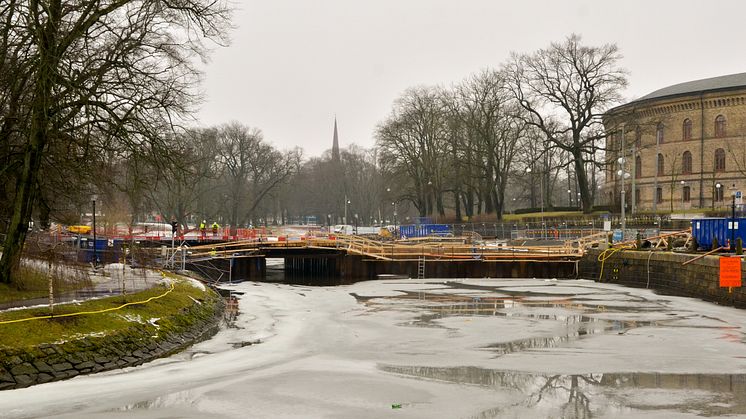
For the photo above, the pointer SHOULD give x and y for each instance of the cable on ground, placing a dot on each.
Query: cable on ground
(80, 313)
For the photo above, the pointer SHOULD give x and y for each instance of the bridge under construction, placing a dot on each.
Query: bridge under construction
(337, 259)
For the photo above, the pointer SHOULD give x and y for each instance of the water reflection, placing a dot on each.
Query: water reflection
(587, 395)
(575, 315)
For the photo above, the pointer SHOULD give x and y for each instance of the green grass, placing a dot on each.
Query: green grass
(165, 309)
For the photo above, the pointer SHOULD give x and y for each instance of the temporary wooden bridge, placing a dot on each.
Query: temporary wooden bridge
(454, 248)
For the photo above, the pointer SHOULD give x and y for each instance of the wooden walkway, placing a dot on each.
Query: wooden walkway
(404, 250)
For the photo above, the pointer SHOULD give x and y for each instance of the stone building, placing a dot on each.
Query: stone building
(683, 147)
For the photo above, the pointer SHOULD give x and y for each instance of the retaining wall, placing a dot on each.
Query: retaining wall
(23, 367)
(664, 271)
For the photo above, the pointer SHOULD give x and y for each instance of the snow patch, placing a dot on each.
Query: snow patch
(79, 336)
(134, 318)
(196, 284)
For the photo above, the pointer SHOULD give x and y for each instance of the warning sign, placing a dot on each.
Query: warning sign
(730, 272)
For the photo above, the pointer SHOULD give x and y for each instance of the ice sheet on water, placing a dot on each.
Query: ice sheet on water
(319, 354)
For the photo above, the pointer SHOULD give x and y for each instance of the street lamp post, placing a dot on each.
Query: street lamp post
(355, 223)
(733, 216)
(623, 175)
(95, 254)
(541, 192)
(717, 194)
(394, 205)
(569, 197)
(347, 202)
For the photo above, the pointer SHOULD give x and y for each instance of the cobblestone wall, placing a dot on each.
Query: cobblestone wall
(664, 271)
(140, 343)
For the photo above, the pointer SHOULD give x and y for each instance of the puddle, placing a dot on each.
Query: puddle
(593, 395)
(103, 284)
(581, 315)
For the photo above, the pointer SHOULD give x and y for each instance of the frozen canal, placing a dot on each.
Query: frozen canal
(433, 349)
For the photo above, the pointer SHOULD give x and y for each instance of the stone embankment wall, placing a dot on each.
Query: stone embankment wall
(140, 343)
(665, 272)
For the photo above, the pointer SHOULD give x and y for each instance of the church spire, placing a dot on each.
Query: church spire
(335, 145)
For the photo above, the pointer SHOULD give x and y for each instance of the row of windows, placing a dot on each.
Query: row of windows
(686, 130)
(686, 194)
(686, 163)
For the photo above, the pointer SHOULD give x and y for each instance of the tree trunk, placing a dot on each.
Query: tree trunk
(23, 202)
(38, 132)
(582, 178)
(456, 200)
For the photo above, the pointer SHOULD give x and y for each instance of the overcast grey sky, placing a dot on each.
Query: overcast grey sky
(293, 64)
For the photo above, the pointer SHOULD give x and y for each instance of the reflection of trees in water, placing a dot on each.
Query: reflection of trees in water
(582, 396)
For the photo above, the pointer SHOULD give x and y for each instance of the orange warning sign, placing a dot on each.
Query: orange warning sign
(730, 272)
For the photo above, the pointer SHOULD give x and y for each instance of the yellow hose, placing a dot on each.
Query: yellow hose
(91, 312)
(602, 258)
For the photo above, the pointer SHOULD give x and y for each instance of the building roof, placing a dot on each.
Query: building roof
(714, 83)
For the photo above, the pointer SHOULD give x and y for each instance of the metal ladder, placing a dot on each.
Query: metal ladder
(421, 267)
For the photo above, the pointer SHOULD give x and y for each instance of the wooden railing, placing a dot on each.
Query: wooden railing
(451, 249)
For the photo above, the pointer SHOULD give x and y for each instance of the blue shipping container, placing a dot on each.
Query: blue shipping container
(424, 230)
(705, 229)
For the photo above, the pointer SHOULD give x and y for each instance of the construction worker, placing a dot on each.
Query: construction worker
(215, 227)
(202, 228)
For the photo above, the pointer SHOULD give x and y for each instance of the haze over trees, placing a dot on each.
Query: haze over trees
(94, 100)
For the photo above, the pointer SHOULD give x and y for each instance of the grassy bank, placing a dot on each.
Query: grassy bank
(160, 314)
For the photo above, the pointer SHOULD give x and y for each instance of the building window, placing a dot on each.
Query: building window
(720, 126)
(687, 130)
(719, 160)
(686, 163)
(661, 165)
(686, 194)
(659, 133)
(637, 196)
(718, 195)
(638, 167)
(659, 195)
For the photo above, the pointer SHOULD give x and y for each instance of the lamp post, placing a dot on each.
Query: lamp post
(355, 223)
(95, 254)
(623, 175)
(394, 205)
(329, 222)
(427, 202)
(733, 216)
(347, 202)
(569, 197)
(717, 194)
(541, 192)
(683, 200)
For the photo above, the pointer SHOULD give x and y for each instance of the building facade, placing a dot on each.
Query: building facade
(681, 147)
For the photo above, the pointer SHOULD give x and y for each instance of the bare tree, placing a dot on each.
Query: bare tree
(106, 75)
(251, 169)
(489, 116)
(411, 143)
(565, 89)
